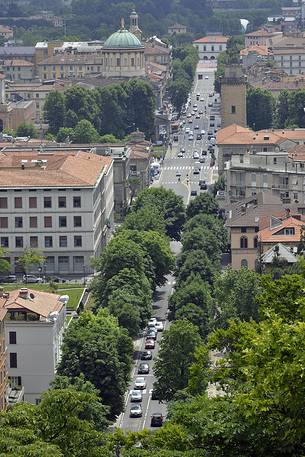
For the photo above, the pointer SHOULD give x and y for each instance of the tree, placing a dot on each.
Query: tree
(197, 262)
(84, 132)
(283, 109)
(5, 265)
(83, 102)
(145, 218)
(141, 105)
(260, 103)
(30, 258)
(99, 349)
(169, 204)
(201, 238)
(213, 224)
(197, 316)
(27, 129)
(236, 295)
(192, 290)
(203, 203)
(54, 110)
(65, 134)
(126, 307)
(178, 91)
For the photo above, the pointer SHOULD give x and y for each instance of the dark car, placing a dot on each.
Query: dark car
(193, 193)
(203, 186)
(203, 152)
(146, 355)
(154, 395)
(56, 279)
(199, 137)
(143, 368)
(156, 420)
(9, 278)
(151, 334)
(150, 344)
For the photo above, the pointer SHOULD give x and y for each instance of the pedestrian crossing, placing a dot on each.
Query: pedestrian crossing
(189, 167)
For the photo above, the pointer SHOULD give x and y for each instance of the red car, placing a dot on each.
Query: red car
(149, 344)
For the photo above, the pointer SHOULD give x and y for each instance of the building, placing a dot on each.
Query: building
(262, 37)
(246, 218)
(237, 140)
(253, 54)
(134, 25)
(17, 53)
(289, 54)
(176, 29)
(139, 165)
(60, 203)
(233, 97)
(65, 66)
(277, 253)
(157, 52)
(211, 46)
(123, 55)
(3, 369)
(286, 231)
(34, 328)
(18, 70)
(6, 32)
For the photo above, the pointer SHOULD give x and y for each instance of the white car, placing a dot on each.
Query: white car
(140, 383)
(196, 127)
(206, 77)
(187, 130)
(195, 155)
(202, 99)
(202, 132)
(159, 326)
(180, 154)
(152, 322)
(191, 137)
(136, 395)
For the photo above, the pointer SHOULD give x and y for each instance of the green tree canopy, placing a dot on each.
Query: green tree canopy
(27, 129)
(84, 132)
(30, 258)
(54, 110)
(204, 203)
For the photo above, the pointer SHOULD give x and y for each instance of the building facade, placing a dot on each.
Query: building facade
(60, 203)
(233, 97)
(18, 70)
(34, 328)
(3, 368)
(262, 37)
(289, 54)
(211, 46)
(176, 29)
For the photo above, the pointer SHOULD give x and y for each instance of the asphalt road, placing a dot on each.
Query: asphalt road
(185, 165)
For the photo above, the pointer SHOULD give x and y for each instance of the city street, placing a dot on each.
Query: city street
(172, 164)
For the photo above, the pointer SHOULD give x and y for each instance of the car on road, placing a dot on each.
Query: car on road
(202, 132)
(150, 344)
(210, 104)
(204, 152)
(56, 279)
(200, 111)
(197, 116)
(179, 154)
(178, 173)
(152, 322)
(206, 77)
(146, 355)
(156, 420)
(32, 279)
(187, 130)
(195, 155)
(151, 334)
(203, 185)
(182, 150)
(202, 160)
(190, 121)
(198, 136)
(193, 193)
(154, 395)
(136, 411)
(195, 109)
(9, 279)
(143, 368)
(195, 105)
(193, 113)
(135, 396)
(191, 137)
(140, 383)
(159, 326)
(188, 115)
(202, 99)
(196, 171)
(196, 127)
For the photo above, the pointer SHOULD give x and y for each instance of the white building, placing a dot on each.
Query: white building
(34, 327)
(289, 54)
(209, 47)
(61, 203)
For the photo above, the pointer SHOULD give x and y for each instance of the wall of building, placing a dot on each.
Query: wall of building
(210, 51)
(3, 370)
(246, 257)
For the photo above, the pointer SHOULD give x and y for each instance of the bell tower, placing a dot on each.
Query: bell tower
(233, 96)
(134, 25)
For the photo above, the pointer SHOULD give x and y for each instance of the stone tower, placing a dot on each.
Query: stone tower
(233, 97)
(134, 25)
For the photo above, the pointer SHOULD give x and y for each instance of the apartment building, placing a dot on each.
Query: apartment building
(3, 370)
(61, 66)
(209, 47)
(18, 70)
(34, 328)
(262, 37)
(60, 202)
(281, 173)
(237, 140)
(289, 54)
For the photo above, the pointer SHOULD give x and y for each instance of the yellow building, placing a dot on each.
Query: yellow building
(233, 97)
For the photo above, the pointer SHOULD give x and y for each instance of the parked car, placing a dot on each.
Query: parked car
(56, 279)
(32, 279)
(146, 355)
(159, 326)
(9, 279)
(196, 127)
(198, 136)
(179, 154)
(156, 420)
(143, 368)
(136, 396)
(151, 334)
(152, 322)
(178, 173)
(140, 383)
(136, 411)
(196, 171)
(195, 155)
(150, 344)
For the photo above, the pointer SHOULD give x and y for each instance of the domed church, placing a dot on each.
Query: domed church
(123, 52)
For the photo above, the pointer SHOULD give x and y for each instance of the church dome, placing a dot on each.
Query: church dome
(122, 39)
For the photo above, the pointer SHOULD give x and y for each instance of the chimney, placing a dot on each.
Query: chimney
(23, 292)
(287, 212)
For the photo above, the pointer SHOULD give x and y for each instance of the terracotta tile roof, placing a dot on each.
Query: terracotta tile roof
(235, 134)
(17, 63)
(230, 130)
(42, 303)
(297, 153)
(212, 39)
(270, 235)
(260, 33)
(260, 50)
(61, 169)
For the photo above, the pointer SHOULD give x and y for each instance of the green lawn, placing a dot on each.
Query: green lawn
(73, 290)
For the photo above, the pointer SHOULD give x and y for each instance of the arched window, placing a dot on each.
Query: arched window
(255, 242)
(244, 263)
(243, 242)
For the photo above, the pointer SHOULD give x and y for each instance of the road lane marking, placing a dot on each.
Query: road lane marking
(146, 412)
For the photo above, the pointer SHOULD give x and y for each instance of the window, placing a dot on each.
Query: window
(18, 222)
(47, 202)
(13, 359)
(19, 241)
(3, 202)
(77, 221)
(33, 222)
(33, 202)
(244, 263)
(48, 221)
(62, 202)
(34, 241)
(62, 221)
(233, 109)
(63, 241)
(243, 242)
(76, 202)
(243, 230)
(256, 229)
(12, 338)
(48, 241)
(3, 222)
(78, 264)
(18, 202)
(4, 242)
(132, 62)
(212, 48)
(63, 263)
(255, 242)
(118, 62)
(77, 241)
(274, 160)
(15, 381)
